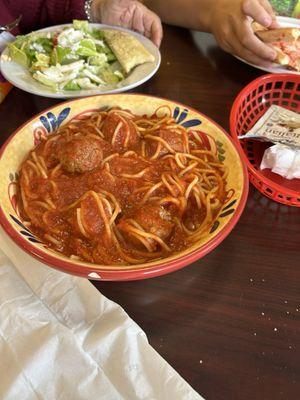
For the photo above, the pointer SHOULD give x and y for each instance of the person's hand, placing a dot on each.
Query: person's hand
(230, 22)
(129, 14)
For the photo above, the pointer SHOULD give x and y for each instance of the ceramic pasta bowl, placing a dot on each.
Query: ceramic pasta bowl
(212, 136)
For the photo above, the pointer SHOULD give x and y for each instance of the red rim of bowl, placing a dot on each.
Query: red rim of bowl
(84, 270)
(242, 94)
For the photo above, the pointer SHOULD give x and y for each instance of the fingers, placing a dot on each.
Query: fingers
(251, 42)
(231, 40)
(156, 31)
(237, 49)
(236, 35)
(266, 4)
(137, 20)
(249, 56)
(254, 9)
(133, 15)
(152, 27)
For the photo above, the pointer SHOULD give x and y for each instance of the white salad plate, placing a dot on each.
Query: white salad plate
(20, 77)
(284, 22)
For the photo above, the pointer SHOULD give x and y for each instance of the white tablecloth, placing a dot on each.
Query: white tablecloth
(61, 339)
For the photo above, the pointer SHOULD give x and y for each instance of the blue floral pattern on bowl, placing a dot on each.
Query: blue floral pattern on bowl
(51, 122)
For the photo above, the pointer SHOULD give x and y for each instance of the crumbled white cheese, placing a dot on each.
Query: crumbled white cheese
(99, 42)
(37, 47)
(69, 37)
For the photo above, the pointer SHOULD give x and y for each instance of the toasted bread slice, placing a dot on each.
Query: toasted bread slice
(258, 27)
(129, 51)
(277, 35)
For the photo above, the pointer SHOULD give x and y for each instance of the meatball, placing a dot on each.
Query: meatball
(174, 140)
(120, 132)
(86, 219)
(153, 218)
(80, 154)
(130, 165)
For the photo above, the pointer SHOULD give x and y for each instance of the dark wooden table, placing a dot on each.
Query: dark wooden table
(229, 323)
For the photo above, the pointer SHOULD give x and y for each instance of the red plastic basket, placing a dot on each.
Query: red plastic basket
(248, 107)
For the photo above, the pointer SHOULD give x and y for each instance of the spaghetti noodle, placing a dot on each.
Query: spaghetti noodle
(117, 188)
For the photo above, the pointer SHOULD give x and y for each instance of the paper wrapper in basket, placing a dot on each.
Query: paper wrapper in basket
(61, 339)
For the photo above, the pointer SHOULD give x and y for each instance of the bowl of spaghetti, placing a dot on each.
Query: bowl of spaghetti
(120, 187)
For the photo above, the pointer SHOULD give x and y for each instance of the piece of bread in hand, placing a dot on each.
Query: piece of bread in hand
(279, 34)
(285, 41)
(258, 27)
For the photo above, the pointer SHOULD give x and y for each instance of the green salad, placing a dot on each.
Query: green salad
(75, 58)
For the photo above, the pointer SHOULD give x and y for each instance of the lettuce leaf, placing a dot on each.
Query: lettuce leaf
(98, 59)
(108, 76)
(97, 34)
(72, 85)
(107, 51)
(17, 55)
(20, 40)
(86, 48)
(85, 83)
(40, 77)
(81, 25)
(45, 43)
(93, 77)
(63, 55)
(42, 61)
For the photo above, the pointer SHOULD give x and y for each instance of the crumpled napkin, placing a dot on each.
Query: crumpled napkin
(282, 160)
(61, 339)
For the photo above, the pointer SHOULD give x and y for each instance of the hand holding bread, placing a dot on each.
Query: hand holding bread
(285, 42)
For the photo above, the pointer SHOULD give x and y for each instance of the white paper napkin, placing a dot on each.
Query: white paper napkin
(61, 339)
